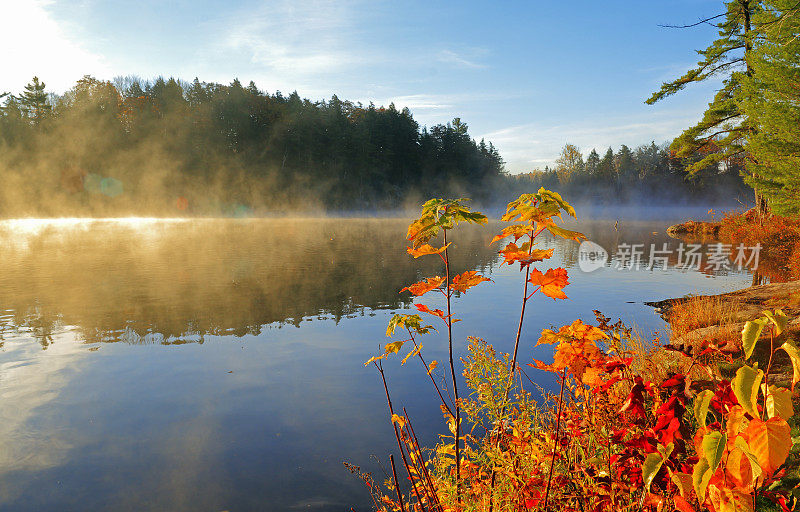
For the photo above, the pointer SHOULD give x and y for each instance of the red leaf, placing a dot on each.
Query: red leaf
(682, 505)
(435, 312)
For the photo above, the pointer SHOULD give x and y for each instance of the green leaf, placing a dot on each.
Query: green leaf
(393, 348)
(413, 322)
(701, 403)
(790, 347)
(565, 233)
(713, 448)
(778, 318)
(556, 197)
(653, 462)
(700, 476)
(745, 386)
(751, 333)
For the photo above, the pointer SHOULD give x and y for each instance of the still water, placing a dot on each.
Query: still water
(217, 364)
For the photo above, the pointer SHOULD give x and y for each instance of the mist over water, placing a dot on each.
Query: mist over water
(217, 363)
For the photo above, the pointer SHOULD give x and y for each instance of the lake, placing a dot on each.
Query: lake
(217, 364)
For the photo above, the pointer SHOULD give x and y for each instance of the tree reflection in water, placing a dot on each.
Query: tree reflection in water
(176, 282)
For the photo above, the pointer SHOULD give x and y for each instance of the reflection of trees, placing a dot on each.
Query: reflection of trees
(173, 282)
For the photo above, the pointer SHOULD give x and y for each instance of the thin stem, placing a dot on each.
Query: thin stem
(396, 434)
(427, 369)
(769, 367)
(453, 370)
(397, 484)
(425, 471)
(555, 444)
(525, 298)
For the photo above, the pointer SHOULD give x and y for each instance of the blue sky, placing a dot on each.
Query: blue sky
(528, 76)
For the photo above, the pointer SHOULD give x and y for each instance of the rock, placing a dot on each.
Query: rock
(694, 230)
(748, 304)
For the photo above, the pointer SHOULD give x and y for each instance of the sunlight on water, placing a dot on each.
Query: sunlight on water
(33, 226)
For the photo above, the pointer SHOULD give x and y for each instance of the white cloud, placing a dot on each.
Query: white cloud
(33, 42)
(293, 45)
(460, 60)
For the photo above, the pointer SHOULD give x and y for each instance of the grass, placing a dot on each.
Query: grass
(698, 312)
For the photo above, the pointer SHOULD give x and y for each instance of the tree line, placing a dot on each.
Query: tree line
(649, 174)
(210, 148)
(754, 116)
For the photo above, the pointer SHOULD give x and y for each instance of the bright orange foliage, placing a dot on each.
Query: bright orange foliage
(551, 282)
(463, 282)
(424, 286)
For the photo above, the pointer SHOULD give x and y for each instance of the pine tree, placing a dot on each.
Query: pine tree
(724, 127)
(592, 162)
(624, 164)
(772, 106)
(34, 101)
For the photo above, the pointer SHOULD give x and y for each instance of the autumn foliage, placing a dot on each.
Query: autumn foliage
(630, 428)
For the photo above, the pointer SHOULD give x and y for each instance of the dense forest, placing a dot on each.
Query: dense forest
(650, 174)
(205, 148)
(168, 147)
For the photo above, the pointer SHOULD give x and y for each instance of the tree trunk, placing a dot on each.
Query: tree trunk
(762, 207)
(761, 202)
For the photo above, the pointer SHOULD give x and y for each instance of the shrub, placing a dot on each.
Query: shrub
(633, 426)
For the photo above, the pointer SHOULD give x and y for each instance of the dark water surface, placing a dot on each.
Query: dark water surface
(217, 364)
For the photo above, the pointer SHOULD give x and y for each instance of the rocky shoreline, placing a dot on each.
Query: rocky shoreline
(747, 304)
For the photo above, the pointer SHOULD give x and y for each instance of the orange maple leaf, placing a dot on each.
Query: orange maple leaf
(425, 286)
(513, 254)
(463, 282)
(425, 309)
(425, 250)
(551, 282)
(517, 231)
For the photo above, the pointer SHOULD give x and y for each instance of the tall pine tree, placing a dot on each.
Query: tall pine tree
(722, 132)
(772, 106)
(34, 101)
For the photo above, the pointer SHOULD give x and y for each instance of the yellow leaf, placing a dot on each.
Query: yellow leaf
(770, 441)
(412, 354)
(700, 477)
(713, 448)
(432, 366)
(425, 250)
(745, 386)
(727, 499)
(738, 468)
(779, 402)
(400, 420)
(393, 348)
(372, 359)
(701, 403)
(447, 449)
(683, 481)
(794, 355)
(735, 421)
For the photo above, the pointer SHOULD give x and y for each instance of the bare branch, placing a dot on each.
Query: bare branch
(701, 22)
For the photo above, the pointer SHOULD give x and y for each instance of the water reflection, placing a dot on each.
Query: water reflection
(261, 415)
(177, 282)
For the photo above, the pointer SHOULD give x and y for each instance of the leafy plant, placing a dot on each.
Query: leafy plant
(632, 428)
